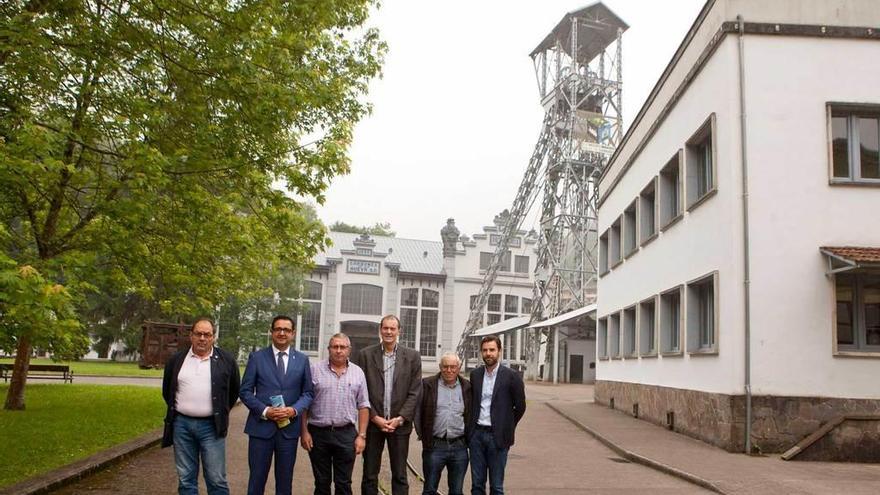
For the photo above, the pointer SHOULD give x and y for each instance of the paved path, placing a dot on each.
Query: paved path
(729, 473)
(551, 456)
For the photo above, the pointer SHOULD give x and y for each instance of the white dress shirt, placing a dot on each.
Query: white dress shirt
(193, 396)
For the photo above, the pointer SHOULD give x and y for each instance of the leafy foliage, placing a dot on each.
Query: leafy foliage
(140, 141)
(379, 228)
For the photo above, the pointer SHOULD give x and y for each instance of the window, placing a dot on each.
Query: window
(701, 311)
(521, 264)
(526, 306)
(858, 311)
(647, 328)
(670, 321)
(602, 338)
(409, 297)
(603, 252)
(361, 299)
(418, 322)
(311, 290)
(492, 318)
(310, 316)
(855, 144)
(630, 228)
(614, 243)
(614, 335)
(629, 331)
(648, 211)
(700, 160)
(409, 322)
(511, 304)
(486, 260)
(670, 191)
(494, 304)
(428, 337)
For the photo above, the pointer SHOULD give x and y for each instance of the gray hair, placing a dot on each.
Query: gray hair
(340, 336)
(450, 354)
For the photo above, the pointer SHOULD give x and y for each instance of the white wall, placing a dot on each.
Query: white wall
(705, 240)
(795, 211)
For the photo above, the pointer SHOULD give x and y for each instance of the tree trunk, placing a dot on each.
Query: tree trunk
(15, 394)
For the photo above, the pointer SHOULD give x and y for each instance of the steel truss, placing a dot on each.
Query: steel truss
(578, 70)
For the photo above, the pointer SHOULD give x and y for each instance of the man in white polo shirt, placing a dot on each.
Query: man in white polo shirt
(200, 386)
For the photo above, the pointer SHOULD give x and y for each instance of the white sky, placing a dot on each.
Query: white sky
(457, 113)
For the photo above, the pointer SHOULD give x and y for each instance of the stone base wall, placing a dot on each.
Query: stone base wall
(713, 418)
(778, 423)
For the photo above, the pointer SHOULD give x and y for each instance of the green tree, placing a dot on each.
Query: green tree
(379, 228)
(139, 142)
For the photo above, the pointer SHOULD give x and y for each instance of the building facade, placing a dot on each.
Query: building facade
(429, 284)
(739, 300)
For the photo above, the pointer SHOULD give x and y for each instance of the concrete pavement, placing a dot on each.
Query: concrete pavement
(551, 456)
(723, 471)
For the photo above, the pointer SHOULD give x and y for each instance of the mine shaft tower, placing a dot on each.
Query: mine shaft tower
(578, 69)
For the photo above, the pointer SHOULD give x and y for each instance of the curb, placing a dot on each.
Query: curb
(640, 459)
(78, 470)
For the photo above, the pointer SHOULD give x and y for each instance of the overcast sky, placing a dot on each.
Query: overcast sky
(456, 114)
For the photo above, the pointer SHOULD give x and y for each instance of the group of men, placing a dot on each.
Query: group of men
(339, 410)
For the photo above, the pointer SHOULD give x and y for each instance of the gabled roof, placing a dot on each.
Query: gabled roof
(599, 31)
(412, 256)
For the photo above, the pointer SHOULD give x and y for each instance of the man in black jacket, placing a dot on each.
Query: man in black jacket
(499, 402)
(200, 385)
(442, 423)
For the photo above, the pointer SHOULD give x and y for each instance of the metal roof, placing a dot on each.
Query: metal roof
(597, 29)
(564, 317)
(413, 256)
(503, 326)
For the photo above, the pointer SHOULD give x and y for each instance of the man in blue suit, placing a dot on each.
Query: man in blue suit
(274, 373)
(498, 403)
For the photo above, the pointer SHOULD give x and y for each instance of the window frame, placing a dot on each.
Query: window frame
(640, 318)
(664, 334)
(627, 341)
(616, 250)
(851, 111)
(646, 237)
(860, 348)
(602, 338)
(693, 315)
(675, 161)
(614, 351)
(419, 325)
(604, 267)
(362, 312)
(706, 133)
(630, 228)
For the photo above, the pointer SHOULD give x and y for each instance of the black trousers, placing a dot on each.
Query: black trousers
(332, 457)
(398, 450)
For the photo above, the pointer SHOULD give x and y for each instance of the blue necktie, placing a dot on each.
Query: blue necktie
(281, 364)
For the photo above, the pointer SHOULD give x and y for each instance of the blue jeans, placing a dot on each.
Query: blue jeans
(454, 457)
(195, 438)
(486, 457)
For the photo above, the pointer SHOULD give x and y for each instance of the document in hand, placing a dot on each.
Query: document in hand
(278, 401)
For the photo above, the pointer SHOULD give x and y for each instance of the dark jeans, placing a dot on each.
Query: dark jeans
(398, 450)
(486, 457)
(451, 455)
(332, 457)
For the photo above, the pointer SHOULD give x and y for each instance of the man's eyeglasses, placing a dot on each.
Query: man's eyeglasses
(202, 335)
(285, 330)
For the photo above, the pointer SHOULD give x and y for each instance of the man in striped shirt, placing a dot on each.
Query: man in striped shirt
(334, 427)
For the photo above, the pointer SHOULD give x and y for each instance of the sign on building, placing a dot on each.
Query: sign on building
(362, 266)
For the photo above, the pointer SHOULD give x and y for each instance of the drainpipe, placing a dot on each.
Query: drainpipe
(745, 215)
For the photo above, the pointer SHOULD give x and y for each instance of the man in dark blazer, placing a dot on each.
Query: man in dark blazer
(394, 377)
(276, 388)
(499, 402)
(442, 422)
(200, 386)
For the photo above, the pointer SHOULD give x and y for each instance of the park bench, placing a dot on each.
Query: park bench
(44, 371)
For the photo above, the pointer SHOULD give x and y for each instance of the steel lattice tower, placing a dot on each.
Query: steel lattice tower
(579, 81)
(578, 68)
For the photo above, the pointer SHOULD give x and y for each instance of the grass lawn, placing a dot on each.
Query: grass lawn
(64, 423)
(102, 368)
